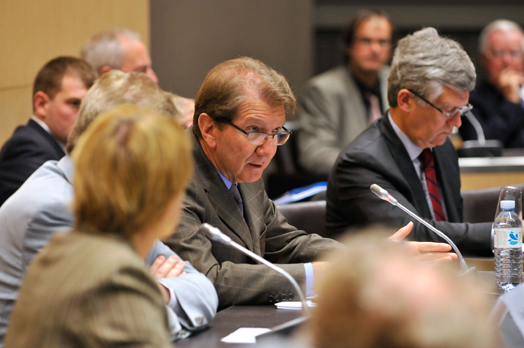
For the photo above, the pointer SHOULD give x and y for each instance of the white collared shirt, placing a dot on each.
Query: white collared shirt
(414, 152)
(48, 130)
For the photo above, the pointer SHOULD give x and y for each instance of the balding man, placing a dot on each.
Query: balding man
(496, 102)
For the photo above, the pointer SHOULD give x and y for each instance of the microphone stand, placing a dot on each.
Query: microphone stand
(384, 195)
(216, 235)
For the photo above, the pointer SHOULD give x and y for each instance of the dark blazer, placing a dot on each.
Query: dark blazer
(500, 118)
(29, 147)
(378, 156)
(238, 279)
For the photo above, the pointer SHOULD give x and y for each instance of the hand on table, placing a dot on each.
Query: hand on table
(425, 251)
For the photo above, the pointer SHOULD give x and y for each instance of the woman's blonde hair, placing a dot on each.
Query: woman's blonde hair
(129, 165)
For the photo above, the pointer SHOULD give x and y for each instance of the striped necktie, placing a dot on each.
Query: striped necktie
(236, 195)
(428, 164)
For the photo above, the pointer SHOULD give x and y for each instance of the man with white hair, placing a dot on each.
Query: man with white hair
(122, 49)
(408, 151)
(497, 103)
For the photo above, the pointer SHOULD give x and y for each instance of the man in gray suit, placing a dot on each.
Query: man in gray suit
(238, 124)
(40, 208)
(339, 104)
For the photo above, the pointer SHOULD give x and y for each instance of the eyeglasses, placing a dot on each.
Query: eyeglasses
(461, 110)
(497, 54)
(258, 138)
(365, 41)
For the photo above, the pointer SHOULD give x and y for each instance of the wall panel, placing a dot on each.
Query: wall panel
(33, 32)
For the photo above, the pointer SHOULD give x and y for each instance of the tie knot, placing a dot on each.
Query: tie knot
(426, 156)
(236, 196)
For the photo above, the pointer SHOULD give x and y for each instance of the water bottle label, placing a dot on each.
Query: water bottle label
(508, 237)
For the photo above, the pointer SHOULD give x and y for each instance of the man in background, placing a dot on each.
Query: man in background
(58, 89)
(122, 49)
(339, 104)
(408, 151)
(497, 103)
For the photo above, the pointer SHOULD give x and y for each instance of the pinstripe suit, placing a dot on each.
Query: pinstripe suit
(263, 230)
(86, 290)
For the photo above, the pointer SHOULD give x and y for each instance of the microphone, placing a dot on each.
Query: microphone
(480, 147)
(216, 235)
(384, 195)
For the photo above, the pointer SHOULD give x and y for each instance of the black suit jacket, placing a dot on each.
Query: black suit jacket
(500, 118)
(29, 147)
(378, 156)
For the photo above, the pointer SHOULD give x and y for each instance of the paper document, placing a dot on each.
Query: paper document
(294, 304)
(244, 335)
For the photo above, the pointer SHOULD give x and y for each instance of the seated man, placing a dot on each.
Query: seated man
(497, 103)
(123, 50)
(42, 207)
(88, 287)
(239, 122)
(339, 104)
(57, 91)
(408, 152)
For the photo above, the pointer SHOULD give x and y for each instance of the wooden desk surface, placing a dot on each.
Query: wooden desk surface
(235, 317)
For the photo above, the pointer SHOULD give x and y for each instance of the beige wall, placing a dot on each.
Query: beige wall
(34, 31)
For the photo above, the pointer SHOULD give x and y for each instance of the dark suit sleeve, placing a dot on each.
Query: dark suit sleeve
(237, 278)
(351, 204)
(21, 155)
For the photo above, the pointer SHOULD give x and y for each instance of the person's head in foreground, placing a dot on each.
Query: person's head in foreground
(428, 87)
(240, 112)
(374, 294)
(135, 186)
(90, 285)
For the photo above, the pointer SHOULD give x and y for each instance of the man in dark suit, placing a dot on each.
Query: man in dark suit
(238, 124)
(408, 151)
(57, 91)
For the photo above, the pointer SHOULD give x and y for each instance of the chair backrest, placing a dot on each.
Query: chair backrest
(307, 216)
(481, 205)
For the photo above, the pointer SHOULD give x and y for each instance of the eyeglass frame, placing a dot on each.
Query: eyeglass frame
(287, 132)
(461, 111)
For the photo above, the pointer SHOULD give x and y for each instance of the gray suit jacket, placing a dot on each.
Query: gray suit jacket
(88, 290)
(40, 208)
(378, 156)
(331, 114)
(238, 279)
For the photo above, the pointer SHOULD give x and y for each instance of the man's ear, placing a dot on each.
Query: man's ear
(208, 128)
(404, 100)
(41, 105)
(103, 70)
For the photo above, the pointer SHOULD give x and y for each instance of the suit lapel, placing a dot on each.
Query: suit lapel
(218, 195)
(444, 169)
(415, 193)
(52, 141)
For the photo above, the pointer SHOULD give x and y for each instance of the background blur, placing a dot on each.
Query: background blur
(299, 38)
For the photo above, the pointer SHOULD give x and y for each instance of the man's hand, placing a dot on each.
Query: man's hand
(166, 268)
(425, 251)
(510, 82)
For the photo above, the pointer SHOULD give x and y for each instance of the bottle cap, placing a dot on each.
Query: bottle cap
(509, 204)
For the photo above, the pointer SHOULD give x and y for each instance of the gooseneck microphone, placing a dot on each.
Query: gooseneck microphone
(216, 235)
(384, 195)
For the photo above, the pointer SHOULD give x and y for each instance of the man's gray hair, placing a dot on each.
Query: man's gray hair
(105, 48)
(117, 88)
(426, 62)
(502, 25)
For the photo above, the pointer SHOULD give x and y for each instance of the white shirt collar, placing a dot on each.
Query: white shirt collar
(413, 150)
(48, 130)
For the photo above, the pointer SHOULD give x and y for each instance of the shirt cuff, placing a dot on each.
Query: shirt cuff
(173, 301)
(308, 267)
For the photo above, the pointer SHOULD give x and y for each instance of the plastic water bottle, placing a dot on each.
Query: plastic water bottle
(508, 247)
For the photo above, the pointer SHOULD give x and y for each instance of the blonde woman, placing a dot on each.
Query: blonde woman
(90, 287)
